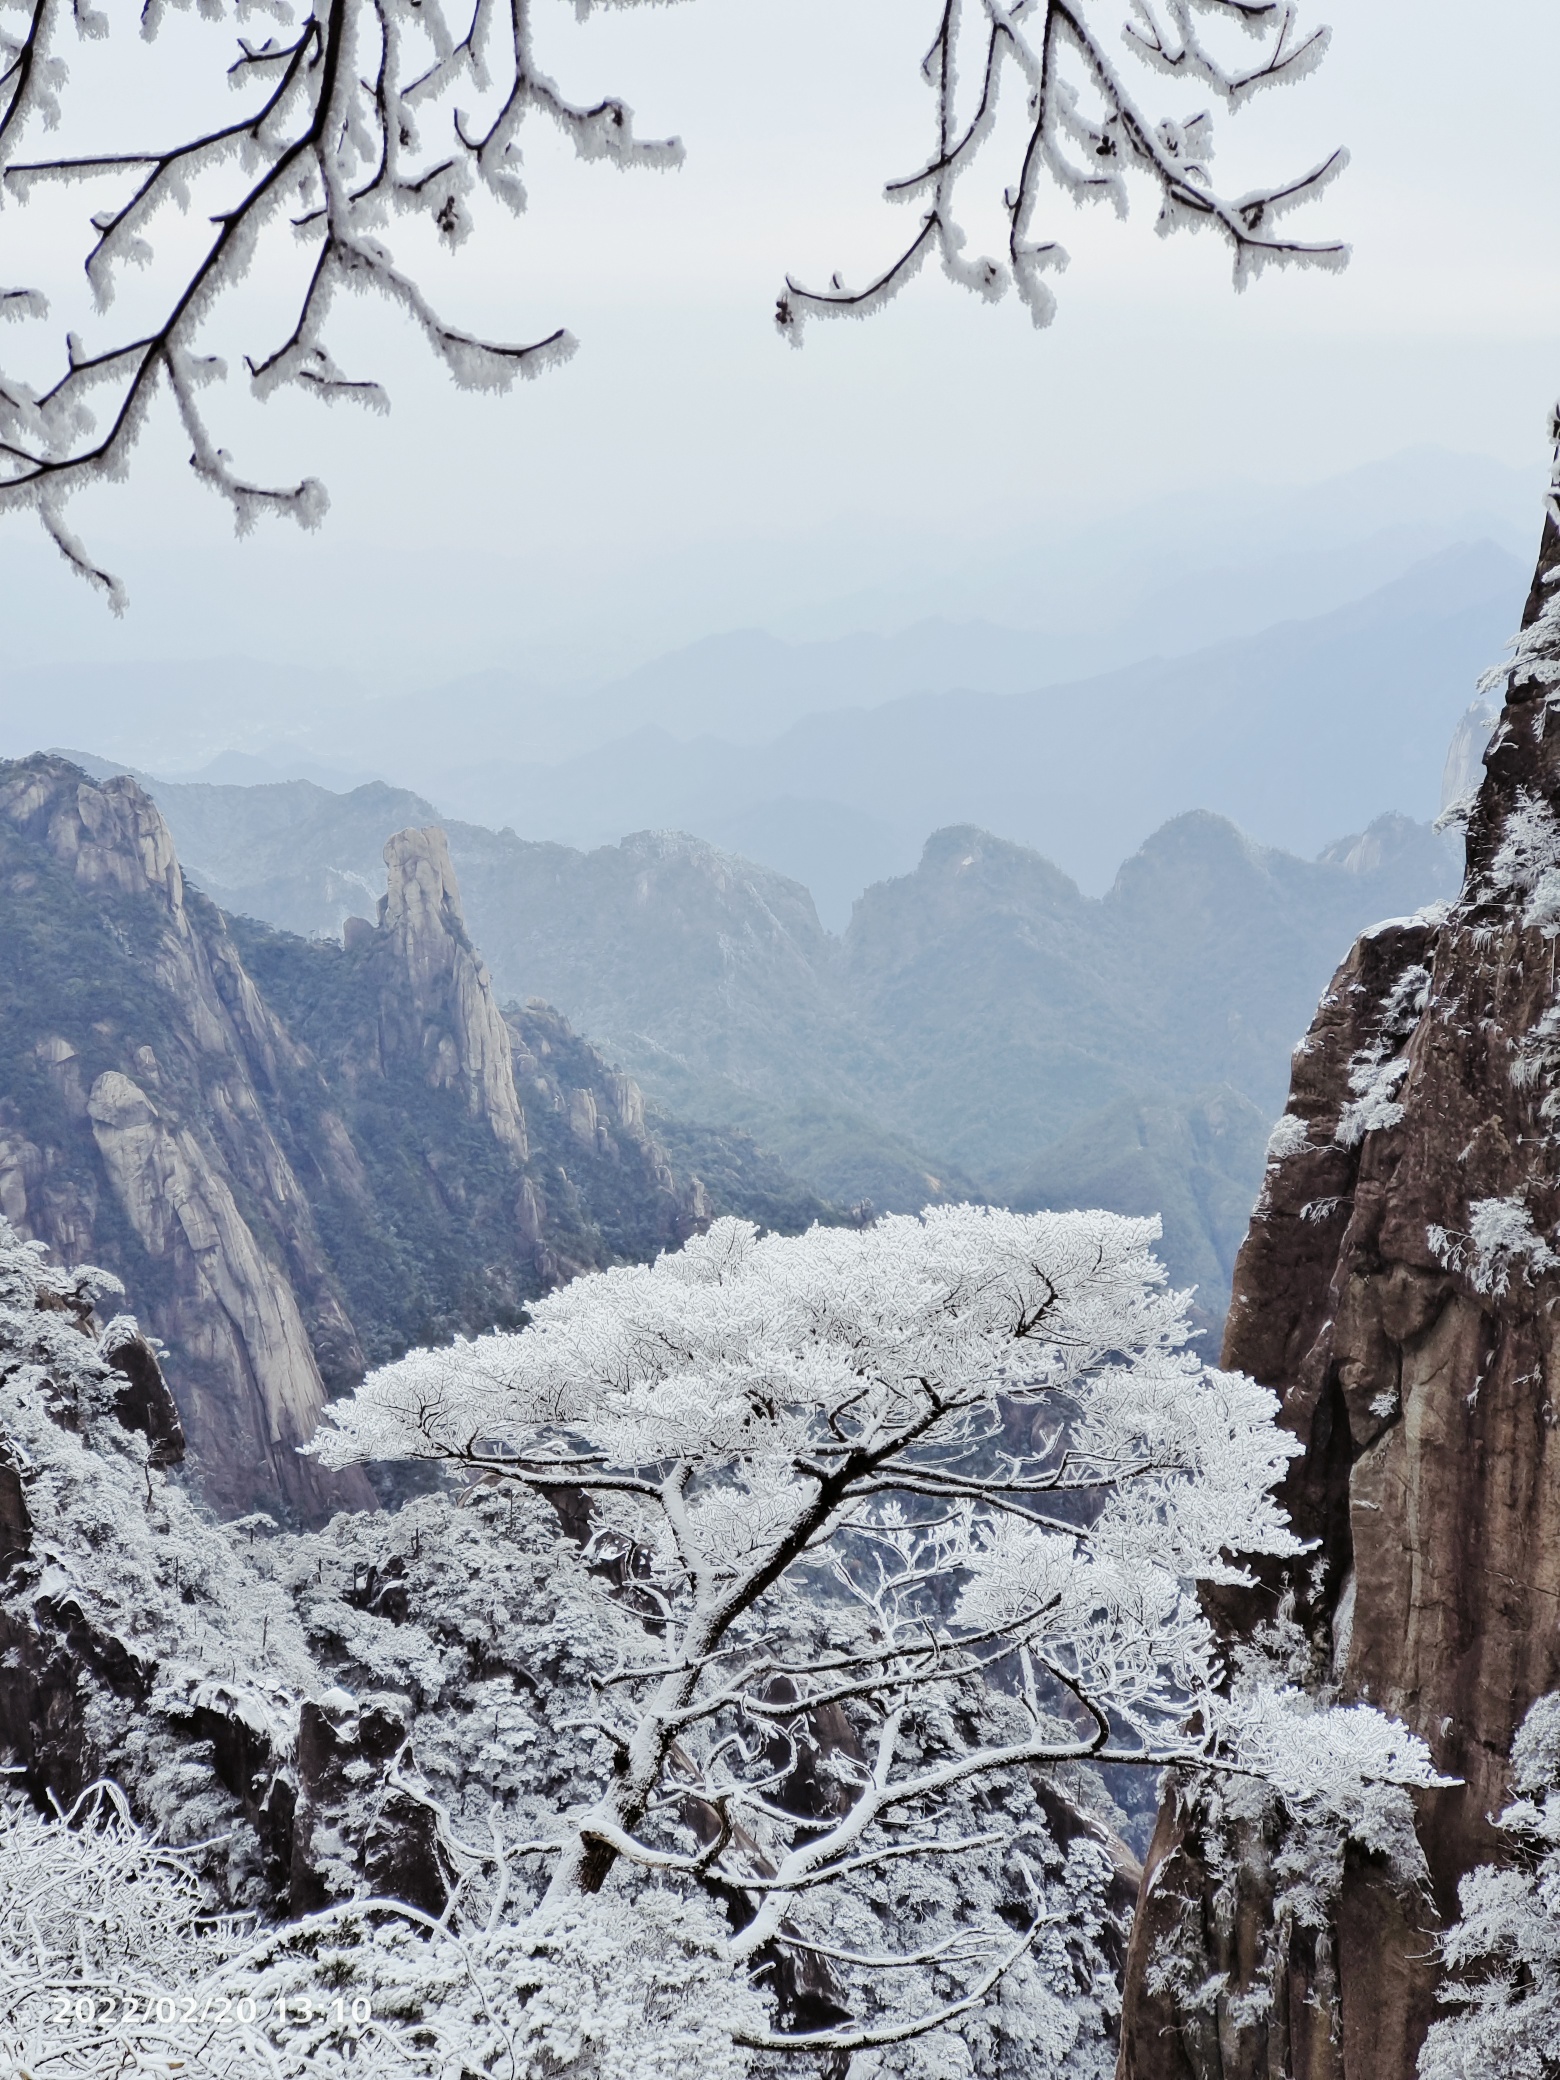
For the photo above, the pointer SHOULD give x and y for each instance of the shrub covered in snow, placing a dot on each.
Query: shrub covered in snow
(1504, 1953)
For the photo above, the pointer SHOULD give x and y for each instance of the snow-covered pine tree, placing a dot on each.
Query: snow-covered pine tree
(735, 1708)
(891, 1527)
(357, 115)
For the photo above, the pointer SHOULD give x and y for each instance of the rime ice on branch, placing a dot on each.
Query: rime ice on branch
(1085, 130)
(356, 113)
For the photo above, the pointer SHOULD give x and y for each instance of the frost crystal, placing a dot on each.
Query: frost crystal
(1501, 1239)
(1287, 1138)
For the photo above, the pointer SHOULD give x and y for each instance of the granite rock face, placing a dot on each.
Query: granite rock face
(1398, 1288)
(157, 1154)
(439, 1007)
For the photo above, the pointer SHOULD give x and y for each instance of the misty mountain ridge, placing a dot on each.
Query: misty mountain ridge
(1297, 734)
(1300, 733)
(1045, 605)
(1017, 1016)
(748, 686)
(983, 1027)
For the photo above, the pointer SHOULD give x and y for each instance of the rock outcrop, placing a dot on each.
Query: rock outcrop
(1399, 1289)
(439, 1008)
(142, 1137)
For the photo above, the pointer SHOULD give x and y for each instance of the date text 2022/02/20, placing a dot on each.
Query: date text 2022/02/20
(89, 2007)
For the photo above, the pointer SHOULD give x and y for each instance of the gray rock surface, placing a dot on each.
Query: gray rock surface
(166, 1092)
(441, 1009)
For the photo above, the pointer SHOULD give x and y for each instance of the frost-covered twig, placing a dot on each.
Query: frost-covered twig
(353, 122)
(1086, 130)
(329, 150)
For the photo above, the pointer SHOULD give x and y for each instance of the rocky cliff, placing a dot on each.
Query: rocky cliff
(297, 1158)
(437, 1009)
(1398, 1288)
(134, 1126)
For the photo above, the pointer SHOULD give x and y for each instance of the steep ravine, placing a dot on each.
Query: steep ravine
(1398, 1288)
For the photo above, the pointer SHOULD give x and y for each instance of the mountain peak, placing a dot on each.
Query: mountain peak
(439, 1005)
(108, 833)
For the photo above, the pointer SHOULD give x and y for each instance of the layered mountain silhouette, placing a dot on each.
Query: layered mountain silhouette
(982, 1028)
(1305, 730)
(829, 760)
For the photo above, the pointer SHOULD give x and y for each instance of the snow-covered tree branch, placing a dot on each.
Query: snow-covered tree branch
(1086, 129)
(358, 114)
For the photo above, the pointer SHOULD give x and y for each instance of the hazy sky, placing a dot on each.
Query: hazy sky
(689, 472)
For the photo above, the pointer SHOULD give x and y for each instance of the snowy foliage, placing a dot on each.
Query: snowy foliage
(878, 1544)
(116, 1548)
(1535, 658)
(1378, 1071)
(1528, 861)
(1327, 1777)
(1287, 1138)
(1085, 130)
(462, 1636)
(926, 1504)
(247, 1628)
(1504, 1953)
(110, 1962)
(1501, 1240)
(1536, 1061)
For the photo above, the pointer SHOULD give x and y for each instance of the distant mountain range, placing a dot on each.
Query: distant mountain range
(895, 1018)
(1298, 733)
(1293, 658)
(1094, 579)
(981, 1028)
